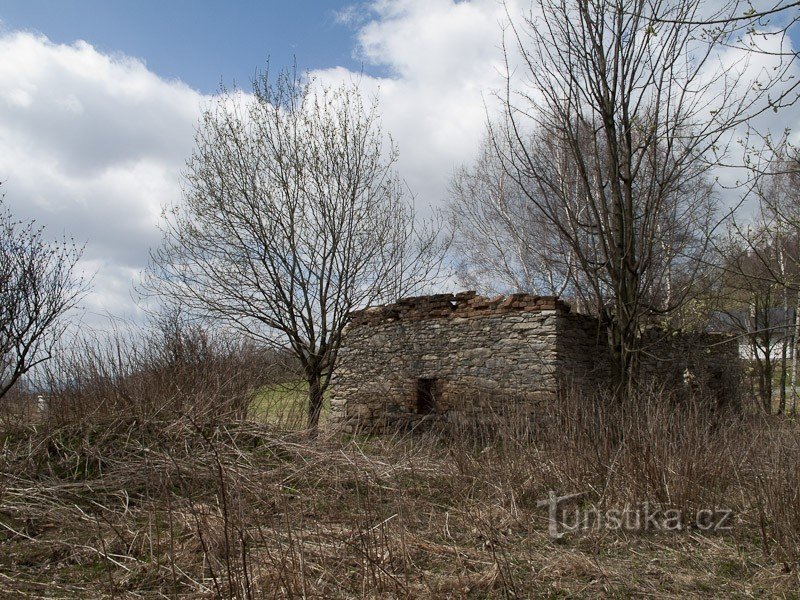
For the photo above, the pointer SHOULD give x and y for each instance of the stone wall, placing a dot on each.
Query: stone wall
(433, 356)
(688, 362)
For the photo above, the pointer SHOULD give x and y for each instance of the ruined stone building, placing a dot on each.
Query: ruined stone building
(434, 356)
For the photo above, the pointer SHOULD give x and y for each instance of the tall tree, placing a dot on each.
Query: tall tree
(614, 113)
(749, 304)
(502, 241)
(293, 217)
(772, 239)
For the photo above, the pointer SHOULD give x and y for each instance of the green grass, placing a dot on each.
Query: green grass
(285, 404)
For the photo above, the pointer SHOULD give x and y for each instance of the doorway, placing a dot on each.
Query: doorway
(426, 396)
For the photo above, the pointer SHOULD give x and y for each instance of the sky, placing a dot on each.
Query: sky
(202, 43)
(99, 100)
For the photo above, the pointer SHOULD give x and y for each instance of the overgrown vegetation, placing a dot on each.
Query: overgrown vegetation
(174, 464)
(116, 497)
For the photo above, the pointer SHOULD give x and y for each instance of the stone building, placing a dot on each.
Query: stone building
(434, 356)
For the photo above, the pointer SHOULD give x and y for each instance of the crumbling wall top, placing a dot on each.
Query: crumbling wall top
(460, 305)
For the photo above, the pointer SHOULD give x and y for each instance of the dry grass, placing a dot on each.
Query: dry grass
(148, 479)
(179, 508)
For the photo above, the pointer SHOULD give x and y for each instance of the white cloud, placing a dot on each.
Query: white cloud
(444, 61)
(92, 146)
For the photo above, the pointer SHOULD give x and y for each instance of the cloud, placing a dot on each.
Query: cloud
(92, 146)
(444, 61)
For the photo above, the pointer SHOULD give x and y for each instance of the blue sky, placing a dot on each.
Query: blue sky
(99, 101)
(200, 42)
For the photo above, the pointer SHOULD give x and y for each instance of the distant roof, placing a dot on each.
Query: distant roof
(739, 321)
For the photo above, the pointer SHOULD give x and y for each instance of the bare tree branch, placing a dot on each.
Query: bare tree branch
(38, 287)
(614, 115)
(293, 217)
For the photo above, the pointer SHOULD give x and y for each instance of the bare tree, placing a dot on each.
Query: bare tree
(502, 241)
(772, 240)
(614, 113)
(763, 27)
(38, 287)
(749, 304)
(293, 217)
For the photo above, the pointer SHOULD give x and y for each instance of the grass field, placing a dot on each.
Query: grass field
(285, 404)
(116, 506)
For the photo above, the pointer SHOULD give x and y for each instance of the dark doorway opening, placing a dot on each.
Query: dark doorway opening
(426, 396)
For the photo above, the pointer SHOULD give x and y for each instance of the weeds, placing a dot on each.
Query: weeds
(164, 500)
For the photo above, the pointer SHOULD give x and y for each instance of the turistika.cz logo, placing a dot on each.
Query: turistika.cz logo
(645, 517)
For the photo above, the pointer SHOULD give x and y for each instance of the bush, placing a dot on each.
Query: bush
(175, 371)
(205, 504)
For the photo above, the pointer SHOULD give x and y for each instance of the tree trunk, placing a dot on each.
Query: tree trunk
(623, 332)
(782, 404)
(795, 339)
(760, 379)
(766, 375)
(762, 376)
(316, 397)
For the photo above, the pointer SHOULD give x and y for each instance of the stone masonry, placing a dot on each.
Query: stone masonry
(433, 356)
